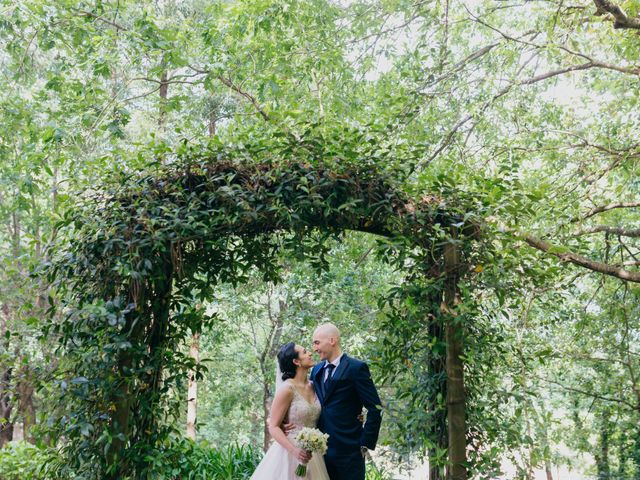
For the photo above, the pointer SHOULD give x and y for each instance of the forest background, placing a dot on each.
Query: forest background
(528, 108)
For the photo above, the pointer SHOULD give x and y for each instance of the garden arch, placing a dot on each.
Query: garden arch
(137, 252)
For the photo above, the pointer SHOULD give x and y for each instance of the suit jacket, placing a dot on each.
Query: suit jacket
(350, 388)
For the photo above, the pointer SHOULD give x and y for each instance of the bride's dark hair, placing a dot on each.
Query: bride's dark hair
(286, 356)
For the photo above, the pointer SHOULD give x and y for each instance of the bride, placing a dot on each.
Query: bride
(296, 403)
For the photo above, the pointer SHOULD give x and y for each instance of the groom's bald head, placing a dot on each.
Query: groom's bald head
(326, 341)
(328, 330)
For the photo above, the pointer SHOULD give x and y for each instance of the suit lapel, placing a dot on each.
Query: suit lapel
(317, 384)
(344, 365)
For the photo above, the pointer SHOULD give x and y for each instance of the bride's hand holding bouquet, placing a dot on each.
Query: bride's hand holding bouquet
(310, 440)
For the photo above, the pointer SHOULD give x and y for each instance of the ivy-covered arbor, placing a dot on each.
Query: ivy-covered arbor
(139, 253)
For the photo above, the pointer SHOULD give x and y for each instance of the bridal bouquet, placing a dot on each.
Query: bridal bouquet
(311, 440)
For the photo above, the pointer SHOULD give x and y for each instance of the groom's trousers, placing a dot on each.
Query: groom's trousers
(345, 466)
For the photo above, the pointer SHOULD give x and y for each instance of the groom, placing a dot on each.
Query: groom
(343, 385)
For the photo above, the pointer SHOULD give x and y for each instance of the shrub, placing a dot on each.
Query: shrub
(187, 460)
(179, 460)
(23, 461)
(374, 473)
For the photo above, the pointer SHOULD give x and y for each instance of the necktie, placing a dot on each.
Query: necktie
(329, 368)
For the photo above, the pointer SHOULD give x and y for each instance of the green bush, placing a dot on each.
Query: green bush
(186, 460)
(373, 473)
(23, 461)
(180, 460)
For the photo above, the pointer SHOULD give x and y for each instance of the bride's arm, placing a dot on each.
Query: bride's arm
(279, 408)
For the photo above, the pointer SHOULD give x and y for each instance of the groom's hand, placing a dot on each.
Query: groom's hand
(287, 427)
(364, 451)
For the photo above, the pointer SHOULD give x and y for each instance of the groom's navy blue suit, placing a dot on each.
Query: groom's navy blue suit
(342, 398)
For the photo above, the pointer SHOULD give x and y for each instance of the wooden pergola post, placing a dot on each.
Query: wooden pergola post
(457, 467)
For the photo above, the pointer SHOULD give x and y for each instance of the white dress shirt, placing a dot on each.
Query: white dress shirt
(336, 362)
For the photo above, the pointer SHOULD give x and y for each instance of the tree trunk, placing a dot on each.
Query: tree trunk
(267, 364)
(192, 402)
(212, 123)
(122, 398)
(6, 407)
(635, 453)
(6, 400)
(547, 470)
(529, 473)
(437, 369)
(547, 448)
(151, 329)
(6, 430)
(164, 90)
(26, 408)
(120, 420)
(602, 456)
(267, 399)
(623, 455)
(457, 465)
(15, 240)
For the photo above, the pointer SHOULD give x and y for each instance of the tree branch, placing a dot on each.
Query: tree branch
(229, 83)
(607, 229)
(555, 73)
(380, 33)
(570, 257)
(591, 394)
(168, 81)
(621, 19)
(102, 19)
(142, 95)
(246, 95)
(635, 70)
(611, 206)
(463, 63)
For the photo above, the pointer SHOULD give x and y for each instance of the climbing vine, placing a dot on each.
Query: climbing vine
(140, 251)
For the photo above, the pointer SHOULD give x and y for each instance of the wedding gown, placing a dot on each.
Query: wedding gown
(278, 463)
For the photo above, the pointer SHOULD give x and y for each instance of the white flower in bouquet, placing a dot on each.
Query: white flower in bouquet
(311, 440)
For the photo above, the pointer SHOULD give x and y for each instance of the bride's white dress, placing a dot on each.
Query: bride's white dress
(278, 463)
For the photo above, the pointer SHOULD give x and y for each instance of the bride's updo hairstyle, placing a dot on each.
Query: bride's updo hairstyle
(286, 356)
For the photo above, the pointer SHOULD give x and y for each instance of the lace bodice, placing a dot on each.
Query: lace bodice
(301, 412)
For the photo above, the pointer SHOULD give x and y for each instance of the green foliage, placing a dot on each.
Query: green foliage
(23, 461)
(177, 460)
(186, 460)
(374, 473)
(525, 114)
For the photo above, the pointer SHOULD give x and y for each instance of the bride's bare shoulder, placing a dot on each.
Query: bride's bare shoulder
(283, 396)
(285, 388)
